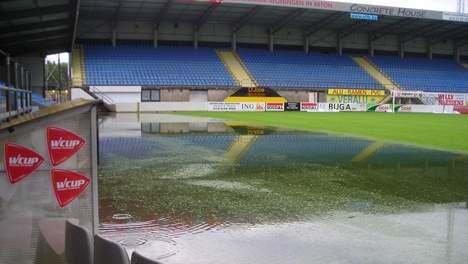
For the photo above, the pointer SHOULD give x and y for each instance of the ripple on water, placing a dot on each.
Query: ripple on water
(146, 236)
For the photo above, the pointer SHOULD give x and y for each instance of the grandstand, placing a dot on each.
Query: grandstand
(204, 51)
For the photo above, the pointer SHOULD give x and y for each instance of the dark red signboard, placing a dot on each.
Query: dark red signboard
(62, 144)
(20, 161)
(68, 185)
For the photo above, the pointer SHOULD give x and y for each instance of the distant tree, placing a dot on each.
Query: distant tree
(53, 73)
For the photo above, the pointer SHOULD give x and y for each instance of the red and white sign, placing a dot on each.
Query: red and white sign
(62, 144)
(274, 107)
(309, 106)
(20, 161)
(68, 185)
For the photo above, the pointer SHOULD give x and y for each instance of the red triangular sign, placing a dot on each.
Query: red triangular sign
(68, 185)
(20, 161)
(62, 144)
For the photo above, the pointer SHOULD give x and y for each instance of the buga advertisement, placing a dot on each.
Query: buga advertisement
(337, 107)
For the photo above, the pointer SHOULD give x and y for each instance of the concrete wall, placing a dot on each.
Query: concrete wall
(175, 95)
(250, 34)
(218, 95)
(295, 96)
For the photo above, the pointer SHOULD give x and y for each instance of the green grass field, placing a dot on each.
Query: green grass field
(447, 132)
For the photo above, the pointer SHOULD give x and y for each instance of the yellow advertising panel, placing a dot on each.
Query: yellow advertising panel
(240, 99)
(356, 92)
(354, 99)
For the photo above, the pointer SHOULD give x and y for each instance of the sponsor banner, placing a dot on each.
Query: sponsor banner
(223, 107)
(407, 94)
(292, 106)
(455, 17)
(233, 107)
(424, 108)
(383, 108)
(337, 107)
(62, 144)
(355, 99)
(252, 107)
(460, 109)
(309, 106)
(356, 92)
(68, 185)
(274, 107)
(344, 7)
(361, 16)
(20, 161)
(456, 99)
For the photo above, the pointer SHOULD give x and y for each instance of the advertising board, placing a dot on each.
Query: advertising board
(274, 107)
(236, 107)
(309, 106)
(456, 99)
(341, 107)
(292, 106)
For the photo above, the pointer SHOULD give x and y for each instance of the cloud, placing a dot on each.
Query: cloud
(446, 5)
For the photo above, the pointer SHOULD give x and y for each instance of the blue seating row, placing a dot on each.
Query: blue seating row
(291, 69)
(146, 65)
(424, 74)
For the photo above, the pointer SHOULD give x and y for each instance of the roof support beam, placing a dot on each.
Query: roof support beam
(162, 13)
(282, 22)
(6, 41)
(450, 33)
(236, 26)
(75, 25)
(201, 20)
(380, 33)
(32, 26)
(345, 32)
(421, 31)
(47, 10)
(317, 26)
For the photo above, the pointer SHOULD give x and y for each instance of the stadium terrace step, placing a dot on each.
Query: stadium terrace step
(376, 73)
(78, 67)
(235, 66)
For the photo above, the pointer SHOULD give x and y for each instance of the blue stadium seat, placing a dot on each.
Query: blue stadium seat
(294, 69)
(146, 65)
(423, 74)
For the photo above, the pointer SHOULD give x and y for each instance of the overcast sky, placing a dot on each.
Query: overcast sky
(441, 5)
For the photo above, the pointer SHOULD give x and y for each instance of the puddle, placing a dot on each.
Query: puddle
(195, 190)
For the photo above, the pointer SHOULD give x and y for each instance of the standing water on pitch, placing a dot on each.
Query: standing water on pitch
(196, 190)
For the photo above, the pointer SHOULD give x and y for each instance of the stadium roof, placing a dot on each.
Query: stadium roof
(50, 25)
(310, 15)
(36, 25)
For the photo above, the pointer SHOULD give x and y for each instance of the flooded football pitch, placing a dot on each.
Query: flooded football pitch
(188, 190)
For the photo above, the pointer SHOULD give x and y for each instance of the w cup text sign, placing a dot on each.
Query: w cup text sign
(68, 185)
(62, 144)
(21, 162)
